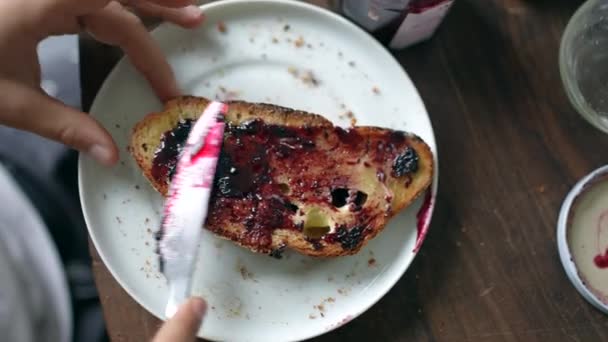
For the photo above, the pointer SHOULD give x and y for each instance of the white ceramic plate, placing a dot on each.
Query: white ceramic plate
(255, 297)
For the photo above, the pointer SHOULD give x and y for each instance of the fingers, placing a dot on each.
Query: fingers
(184, 325)
(165, 3)
(31, 110)
(115, 26)
(187, 17)
(81, 7)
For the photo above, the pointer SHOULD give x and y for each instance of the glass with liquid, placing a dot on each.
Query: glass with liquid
(584, 62)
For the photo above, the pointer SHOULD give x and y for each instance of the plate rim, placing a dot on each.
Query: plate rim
(332, 16)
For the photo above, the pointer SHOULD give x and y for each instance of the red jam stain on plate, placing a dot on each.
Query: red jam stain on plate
(424, 219)
(601, 260)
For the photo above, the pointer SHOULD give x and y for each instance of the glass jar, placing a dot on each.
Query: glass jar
(397, 23)
(583, 61)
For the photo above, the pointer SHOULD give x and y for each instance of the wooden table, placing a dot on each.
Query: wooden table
(510, 147)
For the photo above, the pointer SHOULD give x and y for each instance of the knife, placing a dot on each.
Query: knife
(186, 207)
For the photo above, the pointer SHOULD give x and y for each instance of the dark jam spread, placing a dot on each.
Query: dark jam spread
(171, 144)
(262, 166)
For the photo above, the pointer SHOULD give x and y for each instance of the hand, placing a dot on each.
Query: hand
(24, 23)
(185, 324)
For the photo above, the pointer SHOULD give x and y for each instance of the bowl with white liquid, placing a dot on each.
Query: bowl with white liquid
(582, 237)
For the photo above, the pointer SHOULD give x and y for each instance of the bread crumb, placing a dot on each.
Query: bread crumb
(105, 196)
(226, 94)
(118, 219)
(310, 79)
(371, 262)
(330, 278)
(286, 27)
(147, 220)
(275, 40)
(311, 316)
(245, 273)
(221, 26)
(251, 39)
(147, 243)
(299, 42)
(351, 64)
(375, 90)
(149, 230)
(330, 300)
(343, 291)
(137, 187)
(293, 71)
(117, 126)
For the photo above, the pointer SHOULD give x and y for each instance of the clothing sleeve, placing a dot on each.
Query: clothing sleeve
(34, 297)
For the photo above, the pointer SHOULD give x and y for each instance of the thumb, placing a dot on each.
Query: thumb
(31, 110)
(183, 326)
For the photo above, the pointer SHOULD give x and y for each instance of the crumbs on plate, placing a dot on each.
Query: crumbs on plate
(299, 42)
(221, 27)
(307, 77)
(226, 94)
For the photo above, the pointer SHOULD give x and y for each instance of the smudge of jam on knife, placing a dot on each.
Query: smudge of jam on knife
(262, 166)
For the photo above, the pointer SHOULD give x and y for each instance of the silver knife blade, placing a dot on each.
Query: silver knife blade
(186, 207)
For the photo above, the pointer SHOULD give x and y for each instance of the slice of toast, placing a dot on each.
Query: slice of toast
(291, 179)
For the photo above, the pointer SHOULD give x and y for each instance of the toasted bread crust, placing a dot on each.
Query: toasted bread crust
(145, 139)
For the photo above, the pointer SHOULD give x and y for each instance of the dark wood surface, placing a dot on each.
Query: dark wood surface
(510, 147)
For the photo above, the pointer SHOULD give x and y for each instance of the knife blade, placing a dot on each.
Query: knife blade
(186, 207)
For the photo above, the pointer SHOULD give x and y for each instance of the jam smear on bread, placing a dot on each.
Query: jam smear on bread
(263, 168)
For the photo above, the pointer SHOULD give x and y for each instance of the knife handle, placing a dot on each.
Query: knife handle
(179, 290)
